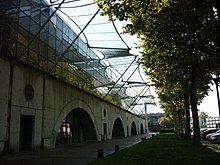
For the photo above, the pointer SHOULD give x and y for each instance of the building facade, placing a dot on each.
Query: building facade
(48, 83)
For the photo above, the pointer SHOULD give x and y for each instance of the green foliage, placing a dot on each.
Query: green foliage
(203, 115)
(165, 122)
(149, 122)
(176, 36)
(179, 39)
(204, 125)
(162, 149)
(7, 35)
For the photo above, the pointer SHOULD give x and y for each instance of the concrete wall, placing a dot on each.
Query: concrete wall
(49, 103)
(4, 99)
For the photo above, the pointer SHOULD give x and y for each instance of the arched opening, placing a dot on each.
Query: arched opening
(118, 130)
(76, 127)
(142, 129)
(133, 129)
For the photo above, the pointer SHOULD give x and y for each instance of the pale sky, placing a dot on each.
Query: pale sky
(210, 104)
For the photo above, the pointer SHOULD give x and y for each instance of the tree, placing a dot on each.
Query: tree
(165, 122)
(179, 47)
(203, 115)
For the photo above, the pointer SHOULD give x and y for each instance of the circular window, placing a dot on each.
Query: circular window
(28, 92)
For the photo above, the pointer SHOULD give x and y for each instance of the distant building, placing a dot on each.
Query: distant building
(212, 122)
(153, 121)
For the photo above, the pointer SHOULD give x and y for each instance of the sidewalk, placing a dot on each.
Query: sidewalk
(72, 154)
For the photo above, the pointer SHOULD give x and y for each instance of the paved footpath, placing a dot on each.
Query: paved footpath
(72, 154)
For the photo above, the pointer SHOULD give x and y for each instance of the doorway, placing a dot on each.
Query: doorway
(26, 132)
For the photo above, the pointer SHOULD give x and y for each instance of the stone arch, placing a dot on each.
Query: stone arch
(133, 129)
(118, 129)
(77, 105)
(141, 129)
(77, 126)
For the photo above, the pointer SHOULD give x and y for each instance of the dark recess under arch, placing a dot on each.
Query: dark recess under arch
(118, 130)
(133, 129)
(77, 126)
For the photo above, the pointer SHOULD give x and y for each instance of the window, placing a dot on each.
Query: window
(105, 128)
(104, 113)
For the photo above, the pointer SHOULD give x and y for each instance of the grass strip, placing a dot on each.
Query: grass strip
(163, 149)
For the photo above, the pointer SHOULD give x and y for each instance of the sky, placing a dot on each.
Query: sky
(210, 104)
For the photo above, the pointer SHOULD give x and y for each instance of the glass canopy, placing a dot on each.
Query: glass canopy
(102, 35)
(71, 40)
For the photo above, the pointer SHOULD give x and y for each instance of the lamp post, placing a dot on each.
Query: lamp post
(146, 124)
(216, 81)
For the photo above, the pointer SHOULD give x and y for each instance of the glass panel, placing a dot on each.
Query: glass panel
(43, 49)
(10, 7)
(24, 22)
(52, 29)
(54, 18)
(51, 53)
(34, 27)
(44, 36)
(72, 36)
(24, 3)
(43, 19)
(35, 44)
(52, 41)
(59, 34)
(59, 47)
(59, 23)
(35, 14)
(65, 31)
(45, 11)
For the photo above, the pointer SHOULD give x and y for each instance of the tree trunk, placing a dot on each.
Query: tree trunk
(187, 120)
(180, 121)
(193, 101)
(180, 115)
(175, 126)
